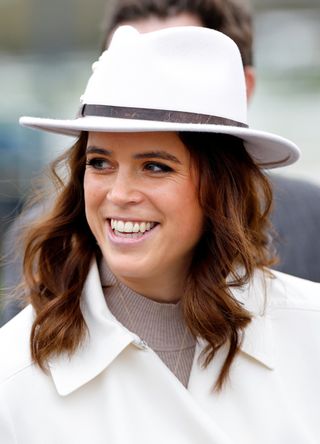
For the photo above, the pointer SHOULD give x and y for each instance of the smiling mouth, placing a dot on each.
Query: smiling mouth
(131, 229)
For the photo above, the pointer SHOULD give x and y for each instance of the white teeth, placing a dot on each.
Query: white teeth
(136, 228)
(120, 226)
(128, 227)
(131, 227)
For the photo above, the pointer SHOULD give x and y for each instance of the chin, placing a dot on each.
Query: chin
(128, 269)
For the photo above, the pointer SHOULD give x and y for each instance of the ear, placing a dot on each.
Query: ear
(250, 76)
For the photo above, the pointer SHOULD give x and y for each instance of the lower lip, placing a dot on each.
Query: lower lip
(130, 241)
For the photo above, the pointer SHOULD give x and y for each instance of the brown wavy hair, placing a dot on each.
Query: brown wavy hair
(236, 199)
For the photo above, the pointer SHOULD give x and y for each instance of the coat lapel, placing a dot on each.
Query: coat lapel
(106, 339)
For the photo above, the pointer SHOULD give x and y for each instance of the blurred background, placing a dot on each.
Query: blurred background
(46, 52)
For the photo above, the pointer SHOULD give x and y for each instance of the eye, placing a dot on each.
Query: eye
(157, 167)
(98, 163)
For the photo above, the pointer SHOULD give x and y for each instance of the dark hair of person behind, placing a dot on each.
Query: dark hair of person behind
(232, 17)
(235, 197)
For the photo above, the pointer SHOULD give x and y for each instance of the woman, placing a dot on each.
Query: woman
(153, 315)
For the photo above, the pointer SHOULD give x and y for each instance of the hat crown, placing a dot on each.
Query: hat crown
(188, 69)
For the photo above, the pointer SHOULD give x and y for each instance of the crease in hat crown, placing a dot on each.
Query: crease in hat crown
(193, 71)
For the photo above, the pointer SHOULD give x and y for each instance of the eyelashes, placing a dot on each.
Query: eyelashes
(98, 163)
(102, 164)
(157, 167)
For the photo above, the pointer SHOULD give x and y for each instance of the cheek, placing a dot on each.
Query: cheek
(192, 218)
(94, 195)
(186, 212)
(93, 187)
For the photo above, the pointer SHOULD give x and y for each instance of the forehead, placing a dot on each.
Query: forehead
(154, 23)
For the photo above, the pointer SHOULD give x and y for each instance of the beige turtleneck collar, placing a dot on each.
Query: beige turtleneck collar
(161, 325)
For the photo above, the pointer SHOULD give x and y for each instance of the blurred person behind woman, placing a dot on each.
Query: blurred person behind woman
(296, 214)
(154, 316)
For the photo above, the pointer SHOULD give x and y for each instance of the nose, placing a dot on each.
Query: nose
(124, 190)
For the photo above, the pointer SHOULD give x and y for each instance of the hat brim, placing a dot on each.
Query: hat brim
(268, 150)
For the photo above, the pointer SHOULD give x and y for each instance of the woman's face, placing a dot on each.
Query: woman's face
(141, 203)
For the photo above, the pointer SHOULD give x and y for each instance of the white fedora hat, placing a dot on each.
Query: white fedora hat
(175, 79)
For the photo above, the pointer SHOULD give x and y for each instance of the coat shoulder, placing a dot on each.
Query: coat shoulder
(15, 344)
(290, 292)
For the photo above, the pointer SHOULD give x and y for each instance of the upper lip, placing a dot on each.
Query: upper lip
(132, 219)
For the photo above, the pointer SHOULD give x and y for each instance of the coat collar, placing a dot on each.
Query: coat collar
(107, 338)
(257, 340)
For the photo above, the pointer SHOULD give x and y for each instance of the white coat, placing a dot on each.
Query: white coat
(115, 390)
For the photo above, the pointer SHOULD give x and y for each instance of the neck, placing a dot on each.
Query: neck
(159, 289)
(165, 287)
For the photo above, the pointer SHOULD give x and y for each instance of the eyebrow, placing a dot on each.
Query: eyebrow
(157, 155)
(95, 150)
(164, 155)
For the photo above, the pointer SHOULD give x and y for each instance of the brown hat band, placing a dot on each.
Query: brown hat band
(160, 115)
